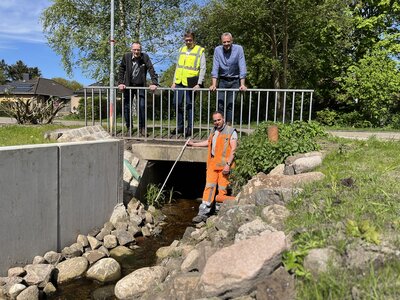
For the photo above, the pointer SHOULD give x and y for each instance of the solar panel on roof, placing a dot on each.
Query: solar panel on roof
(22, 87)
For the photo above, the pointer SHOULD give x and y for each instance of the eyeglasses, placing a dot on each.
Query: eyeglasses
(188, 40)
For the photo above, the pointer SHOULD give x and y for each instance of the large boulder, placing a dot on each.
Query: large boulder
(253, 228)
(271, 189)
(71, 269)
(318, 260)
(302, 163)
(105, 270)
(39, 274)
(232, 217)
(30, 293)
(279, 285)
(120, 253)
(245, 264)
(119, 214)
(275, 215)
(139, 281)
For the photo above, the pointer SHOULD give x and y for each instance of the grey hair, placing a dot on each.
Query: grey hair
(227, 34)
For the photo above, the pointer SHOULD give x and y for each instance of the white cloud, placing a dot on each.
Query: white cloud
(19, 20)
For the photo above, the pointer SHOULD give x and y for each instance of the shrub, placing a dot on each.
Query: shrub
(327, 117)
(95, 106)
(32, 111)
(257, 154)
(353, 119)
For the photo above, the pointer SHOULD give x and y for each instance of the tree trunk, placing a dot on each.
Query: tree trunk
(275, 56)
(122, 12)
(285, 46)
(138, 20)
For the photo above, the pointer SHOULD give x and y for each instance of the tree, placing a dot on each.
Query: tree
(372, 87)
(276, 35)
(79, 31)
(3, 72)
(375, 22)
(71, 84)
(302, 43)
(17, 70)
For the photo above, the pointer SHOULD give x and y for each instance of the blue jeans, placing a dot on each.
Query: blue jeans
(179, 98)
(230, 97)
(128, 107)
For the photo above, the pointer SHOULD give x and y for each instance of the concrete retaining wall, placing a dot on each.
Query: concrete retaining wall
(51, 193)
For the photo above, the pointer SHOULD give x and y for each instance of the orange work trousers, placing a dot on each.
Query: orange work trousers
(216, 178)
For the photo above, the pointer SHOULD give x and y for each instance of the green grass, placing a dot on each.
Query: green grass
(359, 199)
(12, 135)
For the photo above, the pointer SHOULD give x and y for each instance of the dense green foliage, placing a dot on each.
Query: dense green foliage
(314, 44)
(372, 87)
(356, 204)
(257, 154)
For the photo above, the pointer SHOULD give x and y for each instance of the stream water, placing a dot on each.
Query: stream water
(178, 216)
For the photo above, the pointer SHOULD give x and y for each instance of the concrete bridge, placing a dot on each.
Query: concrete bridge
(167, 151)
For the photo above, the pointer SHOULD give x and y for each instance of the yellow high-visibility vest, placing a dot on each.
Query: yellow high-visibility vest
(188, 64)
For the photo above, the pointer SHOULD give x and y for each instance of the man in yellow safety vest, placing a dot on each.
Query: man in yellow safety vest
(189, 76)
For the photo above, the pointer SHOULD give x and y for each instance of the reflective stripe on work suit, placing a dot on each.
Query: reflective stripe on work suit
(215, 165)
(188, 64)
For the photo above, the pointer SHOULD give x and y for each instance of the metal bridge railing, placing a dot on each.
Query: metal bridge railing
(249, 108)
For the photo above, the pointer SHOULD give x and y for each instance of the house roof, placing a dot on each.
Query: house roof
(36, 87)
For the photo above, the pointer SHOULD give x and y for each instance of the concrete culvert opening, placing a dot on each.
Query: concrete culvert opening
(187, 179)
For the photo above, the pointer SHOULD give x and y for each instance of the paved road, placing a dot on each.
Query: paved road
(364, 135)
(350, 134)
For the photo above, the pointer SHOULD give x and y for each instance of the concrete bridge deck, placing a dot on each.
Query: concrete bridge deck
(167, 151)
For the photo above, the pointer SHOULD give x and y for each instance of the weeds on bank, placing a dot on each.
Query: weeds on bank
(358, 199)
(153, 190)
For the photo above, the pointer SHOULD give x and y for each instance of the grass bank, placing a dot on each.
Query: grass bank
(12, 135)
(356, 205)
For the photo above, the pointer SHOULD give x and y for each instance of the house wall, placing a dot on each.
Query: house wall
(13, 97)
(75, 103)
(51, 193)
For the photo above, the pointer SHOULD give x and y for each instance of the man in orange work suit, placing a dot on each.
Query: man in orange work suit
(221, 144)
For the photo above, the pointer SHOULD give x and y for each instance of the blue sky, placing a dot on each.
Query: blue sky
(21, 38)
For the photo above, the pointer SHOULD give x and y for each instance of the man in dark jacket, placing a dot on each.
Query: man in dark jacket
(132, 73)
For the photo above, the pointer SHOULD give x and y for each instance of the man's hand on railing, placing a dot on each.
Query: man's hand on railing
(121, 86)
(196, 87)
(173, 86)
(213, 87)
(152, 87)
(242, 87)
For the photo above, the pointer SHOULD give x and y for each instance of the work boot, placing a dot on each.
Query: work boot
(199, 219)
(204, 212)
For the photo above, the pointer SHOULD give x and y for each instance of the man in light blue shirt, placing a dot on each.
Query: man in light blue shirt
(229, 68)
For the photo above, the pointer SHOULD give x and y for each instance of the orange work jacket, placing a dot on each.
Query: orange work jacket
(222, 148)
